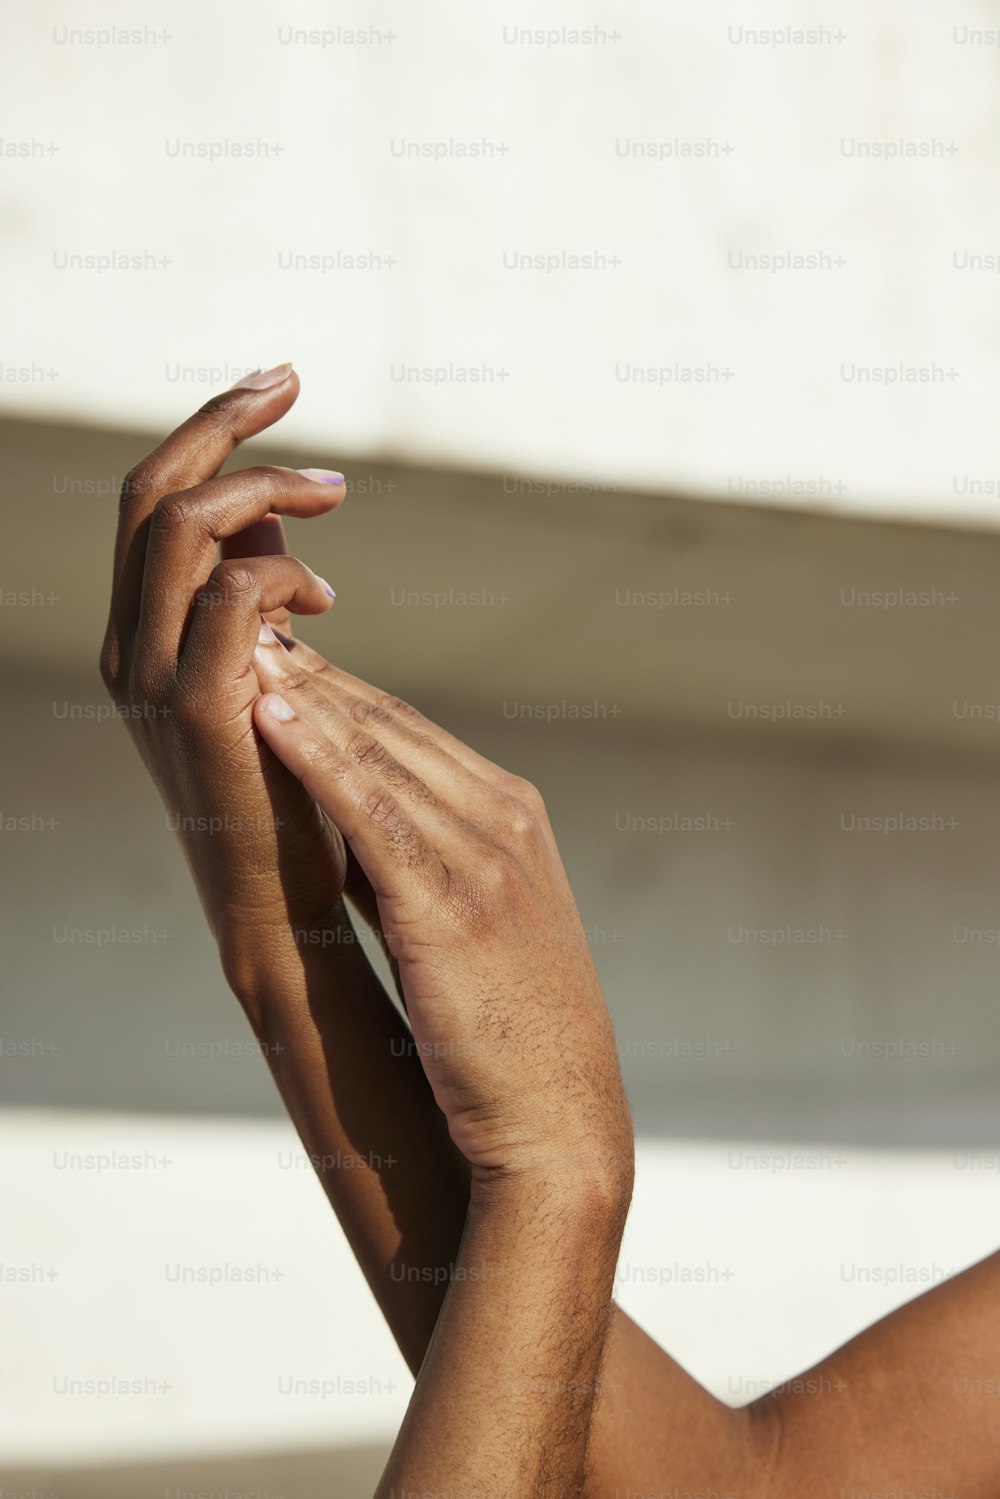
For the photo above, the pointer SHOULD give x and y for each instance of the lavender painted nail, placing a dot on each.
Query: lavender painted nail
(321, 475)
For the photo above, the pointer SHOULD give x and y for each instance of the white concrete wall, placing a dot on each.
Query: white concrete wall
(747, 1274)
(772, 407)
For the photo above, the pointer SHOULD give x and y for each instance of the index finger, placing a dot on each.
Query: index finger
(195, 451)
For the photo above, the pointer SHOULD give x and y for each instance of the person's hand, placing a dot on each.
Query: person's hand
(507, 1013)
(177, 660)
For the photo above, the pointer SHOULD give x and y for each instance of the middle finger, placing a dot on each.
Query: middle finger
(183, 533)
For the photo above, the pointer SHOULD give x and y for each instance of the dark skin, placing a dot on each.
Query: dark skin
(495, 1119)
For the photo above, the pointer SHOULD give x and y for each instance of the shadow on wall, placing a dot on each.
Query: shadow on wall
(779, 817)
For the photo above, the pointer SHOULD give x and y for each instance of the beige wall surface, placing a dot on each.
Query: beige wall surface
(779, 809)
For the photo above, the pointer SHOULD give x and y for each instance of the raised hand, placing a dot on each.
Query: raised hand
(507, 1012)
(177, 660)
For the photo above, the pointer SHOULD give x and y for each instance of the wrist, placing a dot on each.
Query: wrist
(592, 1166)
(592, 1189)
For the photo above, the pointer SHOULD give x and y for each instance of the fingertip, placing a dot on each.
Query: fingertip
(329, 476)
(318, 601)
(265, 379)
(330, 594)
(329, 481)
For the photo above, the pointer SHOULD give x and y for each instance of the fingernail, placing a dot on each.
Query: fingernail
(321, 475)
(324, 585)
(276, 707)
(267, 635)
(264, 379)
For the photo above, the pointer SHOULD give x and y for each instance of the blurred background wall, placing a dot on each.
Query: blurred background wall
(667, 339)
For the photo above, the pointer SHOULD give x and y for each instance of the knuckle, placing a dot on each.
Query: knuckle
(170, 512)
(497, 874)
(386, 712)
(373, 756)
(521, 825)
(380, 808)
(230, 579)
(528, 794)
(361, 711)
(384, 813)
(138, 482)
(383, 707)
(388, 703)
(522, 817)
(294, 677)
(368, 753)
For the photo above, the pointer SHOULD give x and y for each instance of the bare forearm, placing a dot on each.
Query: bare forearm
(343, 1061)
(504, 1400)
